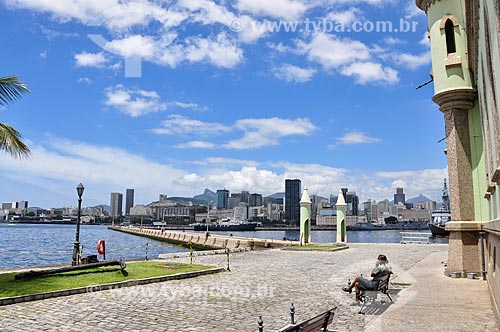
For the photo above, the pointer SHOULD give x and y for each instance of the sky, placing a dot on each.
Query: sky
(172, 97)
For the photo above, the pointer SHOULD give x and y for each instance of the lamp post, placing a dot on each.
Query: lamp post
(76, 248)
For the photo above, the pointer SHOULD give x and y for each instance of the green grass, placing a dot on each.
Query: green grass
(103, 275)
(316, 247)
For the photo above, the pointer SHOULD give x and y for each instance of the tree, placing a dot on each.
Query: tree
(11, 89)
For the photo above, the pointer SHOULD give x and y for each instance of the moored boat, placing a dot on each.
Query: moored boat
(226, 225)
(442, 216)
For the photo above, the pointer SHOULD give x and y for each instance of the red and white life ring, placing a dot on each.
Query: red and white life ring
(101, 247)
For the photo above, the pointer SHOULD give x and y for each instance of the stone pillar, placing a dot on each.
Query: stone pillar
(341, 218)
(305, 218)
(463, 250)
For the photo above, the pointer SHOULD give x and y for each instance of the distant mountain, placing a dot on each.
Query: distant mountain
(276, 195)
(419, 199)
(207, 197)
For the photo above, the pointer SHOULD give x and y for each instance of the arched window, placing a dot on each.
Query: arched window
(449, 31)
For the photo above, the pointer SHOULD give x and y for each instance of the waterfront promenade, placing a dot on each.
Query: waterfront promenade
(265, 283)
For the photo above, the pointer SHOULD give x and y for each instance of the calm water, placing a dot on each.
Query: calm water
(35, 245)
(24, 245)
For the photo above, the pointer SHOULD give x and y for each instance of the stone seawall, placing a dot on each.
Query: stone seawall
(204, 240)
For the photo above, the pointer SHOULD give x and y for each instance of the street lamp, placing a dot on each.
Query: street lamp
(76, 248)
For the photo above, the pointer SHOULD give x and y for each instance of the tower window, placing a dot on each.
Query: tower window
(449, 31)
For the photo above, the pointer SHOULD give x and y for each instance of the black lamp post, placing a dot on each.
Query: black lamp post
(76, 248)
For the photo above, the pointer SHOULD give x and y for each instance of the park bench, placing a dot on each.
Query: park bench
(315, 324)
(371, 295)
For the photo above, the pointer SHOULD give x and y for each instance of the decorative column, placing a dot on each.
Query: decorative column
(341, 222)
(464, 231)
(305, 218)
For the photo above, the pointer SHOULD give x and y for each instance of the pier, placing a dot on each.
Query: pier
(205, 240)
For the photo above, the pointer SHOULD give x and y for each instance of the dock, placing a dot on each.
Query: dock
(209, 241)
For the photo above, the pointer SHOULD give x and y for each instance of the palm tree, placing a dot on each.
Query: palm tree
(11, 89)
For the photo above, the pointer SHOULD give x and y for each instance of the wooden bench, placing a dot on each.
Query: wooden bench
(315, 324)
(371, 295)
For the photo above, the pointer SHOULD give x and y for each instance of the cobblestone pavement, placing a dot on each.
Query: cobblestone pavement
(260, 283)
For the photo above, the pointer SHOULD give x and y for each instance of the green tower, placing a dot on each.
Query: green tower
(305, 218)
(456, 94)
(341, 222)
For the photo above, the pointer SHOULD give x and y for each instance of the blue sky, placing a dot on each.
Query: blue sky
(176, 96)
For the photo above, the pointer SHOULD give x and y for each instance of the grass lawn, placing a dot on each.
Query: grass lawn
(316, 247)
(102, 275)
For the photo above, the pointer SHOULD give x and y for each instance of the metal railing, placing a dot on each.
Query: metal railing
(415, 237)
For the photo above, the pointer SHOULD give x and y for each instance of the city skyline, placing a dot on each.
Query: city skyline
(219, 104)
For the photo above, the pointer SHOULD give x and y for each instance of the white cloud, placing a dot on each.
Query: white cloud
(62, 164)
(357, 137)
(266, 132)
(285, 9)
(368, 72)
(196, 145)
(85, 80)
(134, 102)
(394, 41)
(181, 125)
(418, 181)
(85, 59)
(220, 51)
(412, 61)
(332, 52)
(56, 167)
(43, 55)
(345, 17)
(294, 74)
(256, 132)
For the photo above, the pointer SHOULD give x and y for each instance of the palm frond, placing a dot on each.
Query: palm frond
(11, 89)
(11, 142)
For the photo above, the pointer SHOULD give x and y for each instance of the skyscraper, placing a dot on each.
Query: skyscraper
(222, 199)
(116, 204)
(292, 200)
(129, 201)
(399, 196)
(255, 200)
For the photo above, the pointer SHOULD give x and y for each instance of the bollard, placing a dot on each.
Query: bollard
(190, 253)
(227, 253)
(261, 324)
(292, 314)
(147, 246)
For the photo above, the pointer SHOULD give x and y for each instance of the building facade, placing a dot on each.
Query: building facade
(465, 39)
(129, 201)
(399, 197)
(116, 205)
(222, 199)
(292, 200)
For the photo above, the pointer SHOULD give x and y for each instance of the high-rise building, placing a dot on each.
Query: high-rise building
(129, 201)
(222, 199)
(399, 197)
(245, 196)
(22, 205)
(255, 200)
(116, 204)
(292, 200)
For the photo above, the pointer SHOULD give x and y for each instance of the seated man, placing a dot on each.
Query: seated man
(380, 270)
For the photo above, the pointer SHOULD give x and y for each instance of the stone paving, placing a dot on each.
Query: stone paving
(260, 283)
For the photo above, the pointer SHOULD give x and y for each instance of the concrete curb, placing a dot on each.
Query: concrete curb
(97, 288)
(315, 249)
(202, 253)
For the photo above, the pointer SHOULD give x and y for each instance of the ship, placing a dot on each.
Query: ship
(441, 216)
(226, 225)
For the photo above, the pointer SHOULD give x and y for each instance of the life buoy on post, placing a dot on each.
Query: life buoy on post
(101, 248)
